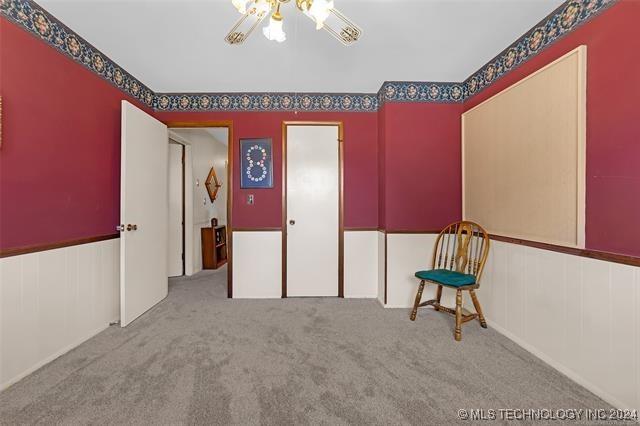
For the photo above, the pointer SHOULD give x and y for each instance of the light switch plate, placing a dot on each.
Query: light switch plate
(250, 199)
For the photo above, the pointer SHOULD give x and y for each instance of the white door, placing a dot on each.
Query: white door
(313, 195)
(176, 185)
(143, 213)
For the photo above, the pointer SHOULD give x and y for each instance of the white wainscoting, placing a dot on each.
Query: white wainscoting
(360, 264)
(580, 315)
(406, 254)
(257, 264)
(382, 265)
(52, 301)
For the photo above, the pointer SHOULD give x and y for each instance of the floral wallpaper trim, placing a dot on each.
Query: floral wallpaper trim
(409, 91)
(266, 102)
(566, 18)
(39, 22)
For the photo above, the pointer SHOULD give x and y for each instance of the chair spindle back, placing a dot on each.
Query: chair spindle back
(462, 247)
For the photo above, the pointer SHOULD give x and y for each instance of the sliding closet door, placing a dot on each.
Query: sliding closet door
(313, 203)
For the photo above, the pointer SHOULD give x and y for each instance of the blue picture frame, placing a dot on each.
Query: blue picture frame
(256, 163)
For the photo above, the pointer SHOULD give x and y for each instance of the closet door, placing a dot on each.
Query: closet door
(313, 210)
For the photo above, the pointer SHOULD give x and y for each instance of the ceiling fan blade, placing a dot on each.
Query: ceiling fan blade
(342, 28)
(248, 22)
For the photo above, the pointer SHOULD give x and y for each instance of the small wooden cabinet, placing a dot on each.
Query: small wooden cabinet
(214, 247)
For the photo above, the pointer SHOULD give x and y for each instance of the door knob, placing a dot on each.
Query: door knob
(131, 227)
(120, 228)
(292, 222)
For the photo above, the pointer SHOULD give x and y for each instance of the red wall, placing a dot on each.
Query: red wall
(360, 164)
(60, 155)
(59, 163)
(421, 166)
(613, 123)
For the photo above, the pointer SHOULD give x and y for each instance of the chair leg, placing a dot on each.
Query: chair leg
(476, 304)
(418, 298)
(458, 333)
(438, 297)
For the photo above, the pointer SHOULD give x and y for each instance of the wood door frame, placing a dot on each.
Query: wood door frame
(340, 125)
(228, 124)
(183, 190)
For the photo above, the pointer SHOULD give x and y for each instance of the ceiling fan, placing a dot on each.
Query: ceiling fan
(322, 12)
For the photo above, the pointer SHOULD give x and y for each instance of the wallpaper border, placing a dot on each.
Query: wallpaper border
(33, 18)
(328, 102)
(563, 20)
(566, 18)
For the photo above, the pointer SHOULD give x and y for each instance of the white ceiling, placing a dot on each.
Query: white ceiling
(178, 46)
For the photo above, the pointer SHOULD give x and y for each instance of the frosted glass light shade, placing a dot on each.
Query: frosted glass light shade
(241, 5)
(274, 31)
(319, 11)
(262, 6)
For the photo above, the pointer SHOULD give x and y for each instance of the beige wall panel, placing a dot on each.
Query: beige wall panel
(523, 156)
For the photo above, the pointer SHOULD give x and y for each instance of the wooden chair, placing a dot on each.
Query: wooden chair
(459, 256)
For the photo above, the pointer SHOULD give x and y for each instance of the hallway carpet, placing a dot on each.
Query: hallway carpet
(199, 358)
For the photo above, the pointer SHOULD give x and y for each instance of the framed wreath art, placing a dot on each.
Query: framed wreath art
(256, 163)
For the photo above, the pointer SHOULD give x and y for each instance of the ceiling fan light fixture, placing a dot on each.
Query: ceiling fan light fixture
(240, 5)
(262, 6)
(319, 11)
(256, 12)
(322, 12)
(275, 31)
(342, 28)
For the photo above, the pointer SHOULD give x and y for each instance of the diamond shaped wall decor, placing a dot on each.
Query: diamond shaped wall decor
(212, 184)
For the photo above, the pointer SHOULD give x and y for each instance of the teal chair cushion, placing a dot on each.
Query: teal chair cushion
(447, 277)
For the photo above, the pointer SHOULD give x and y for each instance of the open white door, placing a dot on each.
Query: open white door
(143, 213)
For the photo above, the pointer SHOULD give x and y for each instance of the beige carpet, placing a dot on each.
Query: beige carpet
(199, 358)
